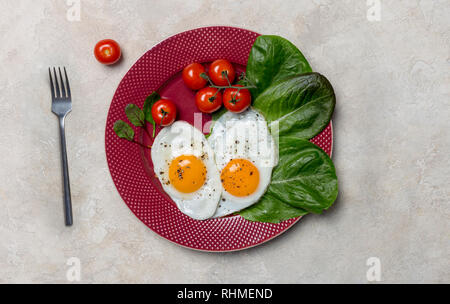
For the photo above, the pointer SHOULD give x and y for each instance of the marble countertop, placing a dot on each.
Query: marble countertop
(389, 66)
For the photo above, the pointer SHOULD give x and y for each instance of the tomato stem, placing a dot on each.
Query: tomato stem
(206, 77)
(229, 86)
(225, 73)
(232, 87)
(246, 79)
(164, 113)
(212, 98)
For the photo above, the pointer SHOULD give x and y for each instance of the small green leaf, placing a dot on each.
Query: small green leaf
(123, 130)
(149, 101)
(148, 104)
(135, 115)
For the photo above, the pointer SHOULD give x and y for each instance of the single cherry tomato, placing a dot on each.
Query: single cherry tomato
(237, 100)
(208, 100)
(192, 78)
(164, 110)
(107, 51)
(217, 70)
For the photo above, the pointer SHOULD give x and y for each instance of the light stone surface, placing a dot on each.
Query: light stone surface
(392, 143)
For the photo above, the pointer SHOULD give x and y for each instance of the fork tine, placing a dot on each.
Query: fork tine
(58, 92)
(63, 88)
(67, 83)
(51, 83)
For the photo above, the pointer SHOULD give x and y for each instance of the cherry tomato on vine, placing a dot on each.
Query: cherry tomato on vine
(217, 69)
(107, 51)
(191, 76)
(164, 110)
(208, 100)
(237, 100)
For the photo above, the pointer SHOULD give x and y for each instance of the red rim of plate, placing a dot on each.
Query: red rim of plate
(126, 161)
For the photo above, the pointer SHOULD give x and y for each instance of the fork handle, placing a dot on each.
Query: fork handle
(67, 199)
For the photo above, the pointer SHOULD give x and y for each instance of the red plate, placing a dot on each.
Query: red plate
(130, 165)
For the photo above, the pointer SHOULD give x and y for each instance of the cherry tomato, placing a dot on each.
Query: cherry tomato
(192, 78)
(208, 101)
(107, 51)
(235, 101)
(217, 68)
(165, 110)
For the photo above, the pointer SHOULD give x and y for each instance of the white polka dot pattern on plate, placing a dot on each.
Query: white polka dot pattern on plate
(126, 161)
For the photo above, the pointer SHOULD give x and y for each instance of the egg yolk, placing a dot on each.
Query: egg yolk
(240, 177)
(187, 173)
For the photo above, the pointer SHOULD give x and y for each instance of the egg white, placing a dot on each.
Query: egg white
(181, 138)
(244, 135)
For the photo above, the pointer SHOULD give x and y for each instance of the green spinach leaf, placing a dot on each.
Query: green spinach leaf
(304, 181)
(299, 105)
(271, 59)
(271, 210)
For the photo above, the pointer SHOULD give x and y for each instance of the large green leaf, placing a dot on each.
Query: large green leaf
(271, 59)
(304, 181)
(271, 210)
(299, 105)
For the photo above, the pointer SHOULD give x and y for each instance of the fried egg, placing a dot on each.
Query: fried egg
(245, 155)
(184, 163)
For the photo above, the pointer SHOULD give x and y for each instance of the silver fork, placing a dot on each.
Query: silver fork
(61, 106)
